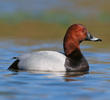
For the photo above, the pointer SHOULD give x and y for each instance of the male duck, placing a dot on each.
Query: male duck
(71, 60)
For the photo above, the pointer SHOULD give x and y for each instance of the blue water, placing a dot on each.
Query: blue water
(94, 85)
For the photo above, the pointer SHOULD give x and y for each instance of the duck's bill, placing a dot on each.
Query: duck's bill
(92, 38)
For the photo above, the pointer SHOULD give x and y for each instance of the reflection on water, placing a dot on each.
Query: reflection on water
(33, 25)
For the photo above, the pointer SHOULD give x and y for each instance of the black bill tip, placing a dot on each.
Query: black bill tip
(99, 40)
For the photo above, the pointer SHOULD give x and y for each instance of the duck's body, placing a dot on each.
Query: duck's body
(71, 60)
(42, 61)
(49, 61)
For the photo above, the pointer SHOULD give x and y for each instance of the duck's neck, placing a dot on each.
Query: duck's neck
(72, 51)
(71, 47)
(75, 61)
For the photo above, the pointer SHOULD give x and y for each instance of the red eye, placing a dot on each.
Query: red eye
(84, 30)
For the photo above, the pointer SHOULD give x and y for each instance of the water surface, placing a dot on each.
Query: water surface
(58, 85)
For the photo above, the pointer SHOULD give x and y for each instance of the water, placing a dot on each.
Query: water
(58, 85)
(29, 26)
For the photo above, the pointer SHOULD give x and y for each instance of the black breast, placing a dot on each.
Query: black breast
(76, 65)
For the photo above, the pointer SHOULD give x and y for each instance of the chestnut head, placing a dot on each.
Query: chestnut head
(80, 33)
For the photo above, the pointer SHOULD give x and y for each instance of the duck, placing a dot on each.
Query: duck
(72, 60)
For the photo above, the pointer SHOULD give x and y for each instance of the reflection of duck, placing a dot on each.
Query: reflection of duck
(72, 60)
(66, 76)
(70, 76)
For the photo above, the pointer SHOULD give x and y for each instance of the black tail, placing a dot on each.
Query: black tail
(14, 65)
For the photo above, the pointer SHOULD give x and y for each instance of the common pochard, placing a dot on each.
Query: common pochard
(71, 60)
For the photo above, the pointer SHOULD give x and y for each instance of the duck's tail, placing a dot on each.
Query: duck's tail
(14, 65)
